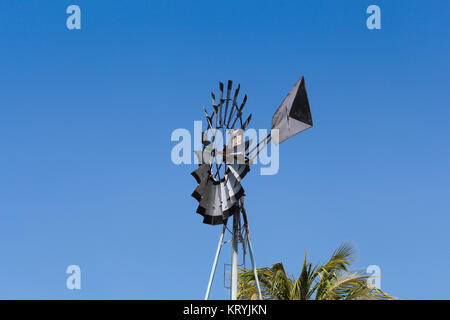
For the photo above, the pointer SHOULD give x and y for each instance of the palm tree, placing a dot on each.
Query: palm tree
(330, 281)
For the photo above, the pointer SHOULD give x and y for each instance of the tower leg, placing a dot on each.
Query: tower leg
(234, 257)
(254, 266)
(213, 271)
(244, 215)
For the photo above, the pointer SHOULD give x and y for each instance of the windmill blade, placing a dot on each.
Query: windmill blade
(207, 148)
(236, 92)
(220, 103)
(234, 104)
(201, 175)
(239, 171)
(215, 107)
(294, 114)
(208, 118)
(205, 140)
(201, 172)
(235, 189)
(200, 191)
(243, 103)
(228, 201)
(210, 204)
(230, 83)
(247, 121)
(200, 156)
(248, 143)
(213, 98)
(239, 113)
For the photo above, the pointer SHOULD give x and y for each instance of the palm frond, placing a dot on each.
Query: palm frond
(275, 284)
(341, 284)
(332, 280)
(302, 286)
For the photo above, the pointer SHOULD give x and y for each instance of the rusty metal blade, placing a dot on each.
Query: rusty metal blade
(208, 118)
(230, 83)
(247, 121)
(213, 98)
(239, 113)
(234, 105)
(220, 102)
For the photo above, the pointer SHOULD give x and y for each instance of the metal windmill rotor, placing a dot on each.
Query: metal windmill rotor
(219, 188)
(222, 166)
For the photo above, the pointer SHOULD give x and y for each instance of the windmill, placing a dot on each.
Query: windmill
(223, 165)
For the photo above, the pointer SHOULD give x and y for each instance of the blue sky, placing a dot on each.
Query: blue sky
(86, 117)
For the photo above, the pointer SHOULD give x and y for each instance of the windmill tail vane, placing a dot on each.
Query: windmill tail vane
(222, 166)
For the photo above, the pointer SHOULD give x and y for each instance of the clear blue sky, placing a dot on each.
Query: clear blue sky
(86, 117)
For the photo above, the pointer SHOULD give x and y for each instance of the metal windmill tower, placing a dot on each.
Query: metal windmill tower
(222, 166)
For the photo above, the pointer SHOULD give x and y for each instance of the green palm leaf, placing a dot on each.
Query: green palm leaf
(332, 280)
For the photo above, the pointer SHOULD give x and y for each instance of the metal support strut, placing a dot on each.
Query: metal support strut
(234, 257)
(244, 215)
(211, 277)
